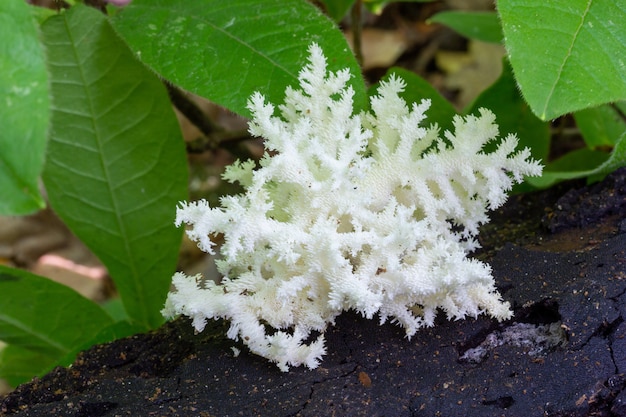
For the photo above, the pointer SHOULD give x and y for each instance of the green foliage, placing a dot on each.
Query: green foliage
(25, 114)
(115, 168)
(565, 57)
(568, 55)
(19, 364)
(583, 163)
(602, 125)
(39, 336)
(337, 9)
(482, 26)
(85, 108)
(104, 163)
(229, 50)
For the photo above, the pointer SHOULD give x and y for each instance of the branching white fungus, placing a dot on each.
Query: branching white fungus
(372, 212)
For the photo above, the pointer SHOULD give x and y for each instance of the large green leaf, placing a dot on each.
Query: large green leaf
(116, 165)
(567, 55)
(482, 26)
(44, 316)
(337, 9)
(602, 125)
(25, 109)
(513, 114)
(581, 164)
(227, 50)
(19, 365)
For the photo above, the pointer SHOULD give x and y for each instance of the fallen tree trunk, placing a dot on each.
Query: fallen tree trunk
(562, 354)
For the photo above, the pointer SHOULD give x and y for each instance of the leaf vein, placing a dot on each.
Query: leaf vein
(568, 54)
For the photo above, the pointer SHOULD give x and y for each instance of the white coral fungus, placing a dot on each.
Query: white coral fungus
(372, 212)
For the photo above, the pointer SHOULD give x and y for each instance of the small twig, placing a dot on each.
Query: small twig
(558, 128)
(357, 26)
(97, 4)
(222, 139)
(61, 4)
(214, 137)
(192, 112)
(235, 144)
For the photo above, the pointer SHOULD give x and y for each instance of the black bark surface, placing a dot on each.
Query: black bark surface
(562, 354)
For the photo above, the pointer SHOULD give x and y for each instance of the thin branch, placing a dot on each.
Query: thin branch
(192, 112)
(357, 26)
(61, 4)
(97, 4)
(214, 137)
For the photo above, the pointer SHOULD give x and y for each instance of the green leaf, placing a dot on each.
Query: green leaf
(225, 51)
(567, 55)
(513, 114)
(337, 9)
(577, 161)
(115, 308)
(581, 164)
(19, 365)
(40, 14)
(602, 125)
(441, 110)
(44, 316)
(616, 160)
(25, 109)
(115, 331)
(482, 26)
(116, 165)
